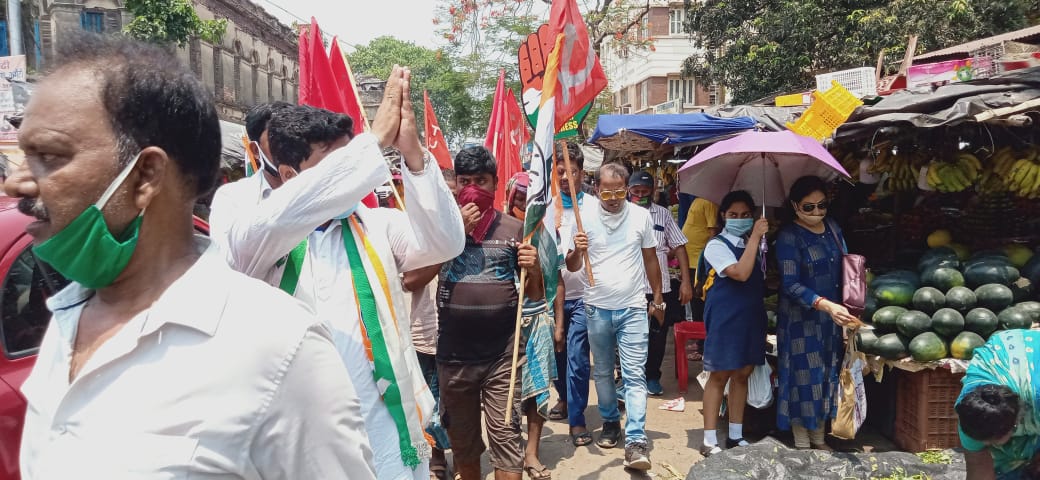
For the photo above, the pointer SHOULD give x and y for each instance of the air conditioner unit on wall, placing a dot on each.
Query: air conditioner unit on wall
(625, 110)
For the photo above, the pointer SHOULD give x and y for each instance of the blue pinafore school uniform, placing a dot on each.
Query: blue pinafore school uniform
(735, 318)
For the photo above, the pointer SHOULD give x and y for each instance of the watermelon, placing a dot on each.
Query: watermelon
(948, 322)
(980, 274)
(981, 321)
(963, 346)
(927, 347)
(869, 307)
(900, 276)
(891, 347)
(989, 254)
(1031, 269)
(963, 253)
(943, 278)
(1021, 290)
(937, 256)
(866, 341)
(1012, 318)
(994, 296)
(1032, 308)
(913, 323)
(961, 299)
(898, 294)
(886, 318)
(928, 300)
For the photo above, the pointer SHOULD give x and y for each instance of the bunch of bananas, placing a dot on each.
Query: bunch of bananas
(1024, 177)
(955, 175)
(902, 173)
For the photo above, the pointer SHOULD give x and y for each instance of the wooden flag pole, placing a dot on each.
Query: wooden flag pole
(577, 210)
(516, 346)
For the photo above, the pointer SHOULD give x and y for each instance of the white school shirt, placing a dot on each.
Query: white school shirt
(617, 258)
(719, 256)
(669, 237)
(429, 232)
(207, 383)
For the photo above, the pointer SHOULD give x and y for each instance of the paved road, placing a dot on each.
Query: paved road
(675, 437)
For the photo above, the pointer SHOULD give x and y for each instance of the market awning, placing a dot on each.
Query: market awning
(948, 105)
(646, 132)
(772, 119)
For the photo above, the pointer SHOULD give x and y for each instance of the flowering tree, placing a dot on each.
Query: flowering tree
(484, 35)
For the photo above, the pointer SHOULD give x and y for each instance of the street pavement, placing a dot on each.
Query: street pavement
(674, 436)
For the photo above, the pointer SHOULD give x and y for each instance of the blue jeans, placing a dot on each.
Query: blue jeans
(577, 362)
(627, 331)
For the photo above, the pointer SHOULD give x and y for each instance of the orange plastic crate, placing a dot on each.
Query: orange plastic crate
(925, 417)
(828, 110)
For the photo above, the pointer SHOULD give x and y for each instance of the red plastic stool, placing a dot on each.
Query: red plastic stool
(686, 331)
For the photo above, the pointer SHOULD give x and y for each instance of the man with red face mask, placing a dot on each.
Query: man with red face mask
(477, 300)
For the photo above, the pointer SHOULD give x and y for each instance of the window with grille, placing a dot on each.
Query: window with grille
(644, 94)
(676, 16)
(624, 96)
(679, 89)
(644, 28)
(714, 96)
(92, 21)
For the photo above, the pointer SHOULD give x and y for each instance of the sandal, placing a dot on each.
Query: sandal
(581, 439)
(694, 356)
(538, 473)
(558, 413)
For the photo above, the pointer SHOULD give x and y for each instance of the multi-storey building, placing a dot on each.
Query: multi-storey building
(650, 80)
(255, 61)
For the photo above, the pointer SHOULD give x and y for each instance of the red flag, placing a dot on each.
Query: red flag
(345, 80)
(506, 134)
(322, 89)
(494, 125)
(435, 142)
(581, 76)
(328, 94)
(518, 135)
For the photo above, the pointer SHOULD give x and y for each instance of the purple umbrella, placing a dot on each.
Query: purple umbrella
(765, 164)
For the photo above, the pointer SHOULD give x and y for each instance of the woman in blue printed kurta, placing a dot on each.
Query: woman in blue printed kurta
(809, 321)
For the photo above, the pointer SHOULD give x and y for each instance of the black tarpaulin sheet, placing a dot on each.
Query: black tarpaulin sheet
(772, 460)
(946, 106)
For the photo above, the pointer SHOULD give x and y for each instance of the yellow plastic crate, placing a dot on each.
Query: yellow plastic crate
(829, 110)
(793, 100)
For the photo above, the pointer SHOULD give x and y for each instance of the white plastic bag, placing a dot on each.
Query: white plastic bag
(760, 387)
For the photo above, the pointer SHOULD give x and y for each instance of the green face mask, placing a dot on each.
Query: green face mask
(85, 251)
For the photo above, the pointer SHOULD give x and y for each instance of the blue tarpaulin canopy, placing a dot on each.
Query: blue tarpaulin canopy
(670, 129)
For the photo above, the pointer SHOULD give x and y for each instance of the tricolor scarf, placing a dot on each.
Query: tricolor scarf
(394, 363)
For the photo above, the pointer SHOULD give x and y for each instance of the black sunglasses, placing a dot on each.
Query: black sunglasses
(809, 207)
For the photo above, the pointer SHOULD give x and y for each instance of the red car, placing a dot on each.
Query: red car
(25, 284)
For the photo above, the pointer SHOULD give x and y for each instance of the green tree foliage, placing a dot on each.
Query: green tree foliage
(758, 48)
(171, 21)
(432, 70)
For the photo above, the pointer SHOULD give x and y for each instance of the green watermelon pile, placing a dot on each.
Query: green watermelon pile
(951, 304)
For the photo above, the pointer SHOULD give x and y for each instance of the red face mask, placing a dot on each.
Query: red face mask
(484, 200)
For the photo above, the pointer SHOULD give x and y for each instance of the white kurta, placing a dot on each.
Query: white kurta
(221, 378)
(429, 232)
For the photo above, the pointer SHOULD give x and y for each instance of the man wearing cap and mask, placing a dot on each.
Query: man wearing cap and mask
(160, 361)
(670, 242)
(314, 239)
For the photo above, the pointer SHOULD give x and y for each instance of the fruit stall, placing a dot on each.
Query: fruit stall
(945, 205)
